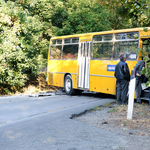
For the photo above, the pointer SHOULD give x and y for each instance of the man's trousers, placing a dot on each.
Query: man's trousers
(122, 91)
(138, 90)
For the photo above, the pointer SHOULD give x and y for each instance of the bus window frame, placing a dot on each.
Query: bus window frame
(126, 40)
(70, 44)
(108, 41)
(50, 57)
(113, 42)
(126, 58)
(126, 36)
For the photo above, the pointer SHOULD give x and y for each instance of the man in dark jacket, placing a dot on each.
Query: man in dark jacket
(139, 79)
(122, 75)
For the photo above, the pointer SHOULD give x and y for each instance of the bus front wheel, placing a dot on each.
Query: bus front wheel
(68, 85)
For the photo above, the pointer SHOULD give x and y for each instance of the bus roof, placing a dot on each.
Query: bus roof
(102, 32)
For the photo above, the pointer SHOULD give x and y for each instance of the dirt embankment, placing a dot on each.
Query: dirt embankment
(34, 84)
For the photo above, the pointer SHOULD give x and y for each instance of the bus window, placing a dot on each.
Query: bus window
(70, 51)
(129, 48)
(132, 35)
(53, 42)
(126, 43)
(71, 40)
(75, 40)
(59, 41)
(103, 38)
(67, 41)
(55, 52)
(56, 48)
(127, 36)
(70, 48)
(108, 37)
(97, 38)
(102, 49)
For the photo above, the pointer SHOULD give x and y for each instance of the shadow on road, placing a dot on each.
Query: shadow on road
(97, 95)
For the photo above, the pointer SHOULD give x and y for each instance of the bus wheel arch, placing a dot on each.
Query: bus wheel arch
(68, 84)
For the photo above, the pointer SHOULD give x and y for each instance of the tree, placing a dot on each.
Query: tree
(19, 40)
(146, 59)
(27, 26)
(128, 13)
(117, 7)
(138, 12)
(61, 17)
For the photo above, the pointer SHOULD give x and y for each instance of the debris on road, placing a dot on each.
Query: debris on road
(49, 93)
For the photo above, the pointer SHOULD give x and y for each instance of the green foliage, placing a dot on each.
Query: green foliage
(27, 26)
(138, 12)
(86, 16)
(117, 7)
(145, 53)
(19, 45)
(128, 13)
(73, 16)
(114, 109)
(146, 69)
(97, 108)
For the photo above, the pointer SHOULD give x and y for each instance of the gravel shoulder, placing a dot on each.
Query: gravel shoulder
(114, 119)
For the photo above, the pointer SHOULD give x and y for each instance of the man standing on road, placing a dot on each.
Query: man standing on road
(139, 79)
(122, 75)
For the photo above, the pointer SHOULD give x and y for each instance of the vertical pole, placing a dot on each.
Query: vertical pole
(131, 98)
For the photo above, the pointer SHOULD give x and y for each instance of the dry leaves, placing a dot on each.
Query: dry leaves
(139, 125)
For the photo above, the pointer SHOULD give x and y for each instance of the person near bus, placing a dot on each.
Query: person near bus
(122, 75)
(139, 79)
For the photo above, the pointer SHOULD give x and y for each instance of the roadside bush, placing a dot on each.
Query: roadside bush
(19, 46)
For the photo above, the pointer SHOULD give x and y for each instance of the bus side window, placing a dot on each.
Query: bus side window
(126, 47)
(102, 50)
(102, 46)
(56, 49)
(126, 43)
(70, 48)
(55, 52)
(70, 51)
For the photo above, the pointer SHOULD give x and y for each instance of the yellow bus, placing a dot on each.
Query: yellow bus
(87, 61)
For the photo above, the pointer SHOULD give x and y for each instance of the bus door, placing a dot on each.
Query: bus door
(84, 63)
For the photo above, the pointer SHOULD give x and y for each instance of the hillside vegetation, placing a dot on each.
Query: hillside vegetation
(27, 26)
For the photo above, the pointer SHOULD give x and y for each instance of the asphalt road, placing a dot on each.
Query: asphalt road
(43, 123)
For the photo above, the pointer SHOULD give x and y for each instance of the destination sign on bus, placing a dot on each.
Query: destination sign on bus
(111, 67)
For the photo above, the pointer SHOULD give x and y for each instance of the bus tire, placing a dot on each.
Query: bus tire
(68, 85)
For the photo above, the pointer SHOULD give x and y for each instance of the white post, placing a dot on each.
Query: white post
(131, 98)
